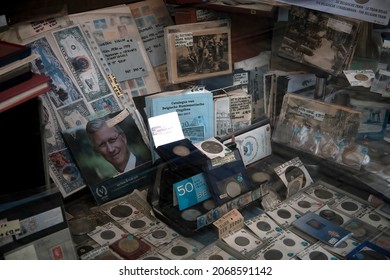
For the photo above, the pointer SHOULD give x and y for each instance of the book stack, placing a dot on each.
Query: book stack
(17, 82)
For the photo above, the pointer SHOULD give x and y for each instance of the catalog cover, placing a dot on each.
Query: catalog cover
(111, 154)
(195, 110)
(321, 40)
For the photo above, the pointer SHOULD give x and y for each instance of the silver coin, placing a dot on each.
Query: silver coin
(349, 206)
(329, 150)
(304, 204)
(179, 250)
(84, 249)
(263, 226)
(159, 234)
(374, 217)
(121, 211)
(273, 254)
(107, 234)
(323, 194)
(317, 255)
(211, 147)
(242, 241)
(152, 258)
(260, 177)
(216, 257)
(332, 217)
(190, 214)
(137, 224)
(209, 204)
(361, 1)
(81, 226)
(233, 189)
(289, 242)
(285, 214)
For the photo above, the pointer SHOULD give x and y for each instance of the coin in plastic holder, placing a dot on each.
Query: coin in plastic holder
(130, 247)
(178, 249)
(212, 147)
(121, 211)
(233, 189)
(81, 226)
(190, 214)
(260, 177)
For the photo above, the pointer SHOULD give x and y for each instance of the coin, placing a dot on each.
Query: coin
(329, 150)
(211, 147)
(128, 245)
(261, 177)
(352, 157)
(190, 214)
(233, 189)
(361, 77)
(181, 151)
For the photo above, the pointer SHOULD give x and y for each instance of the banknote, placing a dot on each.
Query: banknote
(64, 172)
(64, 90)
(81, 62)
(75, 114)
(115, 23)
(194, 133)
(51, 126)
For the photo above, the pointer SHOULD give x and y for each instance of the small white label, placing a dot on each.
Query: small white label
(319, 116)
(184, 40)
(9, 228)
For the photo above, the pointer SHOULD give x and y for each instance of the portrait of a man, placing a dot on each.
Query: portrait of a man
(108, 146)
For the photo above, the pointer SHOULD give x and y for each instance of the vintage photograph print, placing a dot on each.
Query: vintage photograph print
(321, 40)
(198, 54)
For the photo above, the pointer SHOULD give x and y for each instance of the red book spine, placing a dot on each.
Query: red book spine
(14, 101)
(38, 84)
(34, 81)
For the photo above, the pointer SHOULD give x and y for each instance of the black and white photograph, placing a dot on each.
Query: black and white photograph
(198, 53)
(324, 41)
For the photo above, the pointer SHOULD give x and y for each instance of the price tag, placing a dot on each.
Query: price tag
(230, 222)
(118, 118)
(9, 228)
(191, 191)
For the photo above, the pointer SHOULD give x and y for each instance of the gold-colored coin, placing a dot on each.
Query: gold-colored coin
(181, 151)
(128, 245)
(361, 77)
